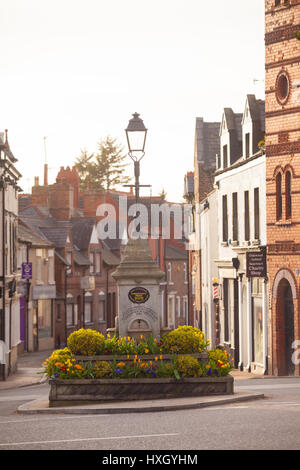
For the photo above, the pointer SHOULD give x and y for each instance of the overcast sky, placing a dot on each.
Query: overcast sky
(76, 70)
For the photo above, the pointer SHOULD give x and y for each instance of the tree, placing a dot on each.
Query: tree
(83, 165)
(105, 169)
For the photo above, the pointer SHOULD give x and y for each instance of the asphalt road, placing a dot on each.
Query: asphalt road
(272, 423)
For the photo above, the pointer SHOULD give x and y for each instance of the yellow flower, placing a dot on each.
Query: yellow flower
(156, 358)
(160, 357)
(141, 336)
(121, 364)
(146, 351)
(207, 366)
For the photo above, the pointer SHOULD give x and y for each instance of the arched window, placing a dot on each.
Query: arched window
(288, 195)
(278, 196)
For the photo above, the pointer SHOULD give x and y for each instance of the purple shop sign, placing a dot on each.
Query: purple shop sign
(26, 270)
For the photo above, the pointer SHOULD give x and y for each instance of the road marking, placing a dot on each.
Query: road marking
(267, 387)
(19, 398)
(23, 420)
(87, 439)
(282, 403)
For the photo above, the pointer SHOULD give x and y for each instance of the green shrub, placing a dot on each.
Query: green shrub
(102, 369)
(218, 355)
(59, 355)
(188, 366)
(86, 342)
(185, 339)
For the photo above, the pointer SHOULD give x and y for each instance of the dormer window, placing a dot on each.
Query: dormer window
(225, 156)
(247, 145)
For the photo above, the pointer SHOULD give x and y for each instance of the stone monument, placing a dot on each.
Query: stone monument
(139, 301)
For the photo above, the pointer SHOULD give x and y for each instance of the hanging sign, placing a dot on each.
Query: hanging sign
(26, 270)
(257, 263)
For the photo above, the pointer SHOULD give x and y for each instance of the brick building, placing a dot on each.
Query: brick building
(206, 150)
(70, 219)
(282, 19)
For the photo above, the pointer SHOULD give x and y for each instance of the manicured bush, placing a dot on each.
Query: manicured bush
(185, 339)
(102, 369)
(188, 366)
(218, 355)
(86, 342)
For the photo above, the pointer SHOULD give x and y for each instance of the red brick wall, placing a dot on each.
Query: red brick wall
(283, 151)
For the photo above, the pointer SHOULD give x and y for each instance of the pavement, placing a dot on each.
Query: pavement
(29, 372)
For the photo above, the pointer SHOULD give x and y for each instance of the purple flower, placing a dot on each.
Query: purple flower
(209, 372)
(56, 375)
(118, 371)
(153, 374)
(216, 372)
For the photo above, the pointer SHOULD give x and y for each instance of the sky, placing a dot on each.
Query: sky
(75, 71)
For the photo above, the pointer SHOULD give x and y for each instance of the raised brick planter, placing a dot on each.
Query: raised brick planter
(83, 391)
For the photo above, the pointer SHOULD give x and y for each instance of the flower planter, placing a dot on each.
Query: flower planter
(83, 391)
(202, 357)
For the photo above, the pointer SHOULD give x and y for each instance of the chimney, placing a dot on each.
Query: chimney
(36, 181)
(6, 138)
(45, 174)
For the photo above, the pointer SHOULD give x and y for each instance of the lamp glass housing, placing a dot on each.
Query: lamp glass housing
(136, 137)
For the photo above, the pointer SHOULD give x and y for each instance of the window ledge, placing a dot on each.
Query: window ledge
(256, 242)
(234, 243)
(283, 222)
(224, 243)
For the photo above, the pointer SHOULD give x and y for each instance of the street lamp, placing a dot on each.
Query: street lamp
(136, 134)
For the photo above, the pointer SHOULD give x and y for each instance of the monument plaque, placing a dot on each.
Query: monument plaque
(139, 300)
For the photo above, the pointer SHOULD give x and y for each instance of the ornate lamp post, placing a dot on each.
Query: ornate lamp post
(136, 134)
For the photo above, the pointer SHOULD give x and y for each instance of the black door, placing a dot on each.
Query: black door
(288, 330)
(236, 324)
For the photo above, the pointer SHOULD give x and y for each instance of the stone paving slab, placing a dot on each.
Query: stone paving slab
(42, 405)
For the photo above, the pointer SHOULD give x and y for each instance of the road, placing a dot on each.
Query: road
(270, 423)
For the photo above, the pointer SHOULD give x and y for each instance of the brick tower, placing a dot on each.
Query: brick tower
(283, 181)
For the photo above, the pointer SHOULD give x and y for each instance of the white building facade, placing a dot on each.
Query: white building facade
(241, 215)
(10, 308)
